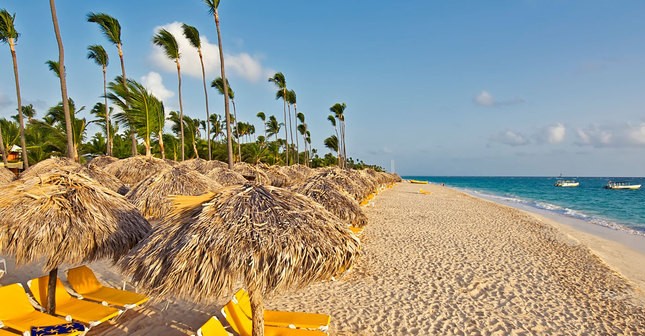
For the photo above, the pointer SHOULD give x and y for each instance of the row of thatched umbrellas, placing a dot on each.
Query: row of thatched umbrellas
(223, 231)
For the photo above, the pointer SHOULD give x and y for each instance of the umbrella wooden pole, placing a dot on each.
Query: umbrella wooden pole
(257, 311)
(51, 291)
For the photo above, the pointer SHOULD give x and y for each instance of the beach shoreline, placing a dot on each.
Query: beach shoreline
(439, 262)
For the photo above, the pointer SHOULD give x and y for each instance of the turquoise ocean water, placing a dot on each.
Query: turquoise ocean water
(617, 209)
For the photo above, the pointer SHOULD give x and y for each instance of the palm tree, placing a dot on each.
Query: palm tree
(2, 151)
(216, 126)
(55, 119)
(192, 34)
(212, 8)
(332, 143)
(273, 127)
(291, 99)
(71, 149)
(111, 28)
(99, 111)
(218, 83)
(97, 53)
(279, 80)
(141, 111)
(167, 41)
(339, 112)
(263, 117)
(29, 111)
(332, 120)
(302, 129)
(9, 35)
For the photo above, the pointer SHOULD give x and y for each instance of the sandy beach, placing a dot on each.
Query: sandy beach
(444, 263)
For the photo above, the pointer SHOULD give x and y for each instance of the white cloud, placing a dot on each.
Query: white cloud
(486, 99)
(511, 138)
(153, 82)
(553, 134)
(242, 65)
(613, 135)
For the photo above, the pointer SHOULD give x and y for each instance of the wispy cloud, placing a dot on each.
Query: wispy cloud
(485, 99)
(510, 138)
(5, 101)
(616, 135)
(242, 65)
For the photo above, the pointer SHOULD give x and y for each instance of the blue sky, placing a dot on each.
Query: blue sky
(523, 87)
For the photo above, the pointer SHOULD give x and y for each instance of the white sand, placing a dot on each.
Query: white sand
(446, 263)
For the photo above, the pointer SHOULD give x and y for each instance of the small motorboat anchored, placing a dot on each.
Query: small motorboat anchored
(566, 183)
(622, 185)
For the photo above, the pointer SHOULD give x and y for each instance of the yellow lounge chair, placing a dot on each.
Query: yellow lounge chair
(84, 282)
(17, 313)
(244, 326)
(356, 230)
(283, 318)
(86, 312)
(213, 327)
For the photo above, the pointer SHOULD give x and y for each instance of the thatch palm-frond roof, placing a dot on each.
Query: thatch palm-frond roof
(226, 177)
(102, 161)
(277, 177)
(342, 181)
(201, 165)
(66, 217)
(152, 195)
(334, 200)
(268, 239)
(104, 178)
(252, 172)
(134, 169)
(6, 176)
(50, 164)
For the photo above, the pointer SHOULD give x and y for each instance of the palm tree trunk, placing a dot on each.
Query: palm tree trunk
(257, 312)
(133, 136)
(161, 146)
(295, 113)
(229, 143)
(71, 150)
(2, 151)
(290, 127)
(208, 116)
(107, 115)
(21, 121)
(181, 111)
(237, 131)
(344, 148)
(286, 135)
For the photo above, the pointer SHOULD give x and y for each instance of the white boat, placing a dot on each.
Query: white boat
(566, 183)
(622, 185)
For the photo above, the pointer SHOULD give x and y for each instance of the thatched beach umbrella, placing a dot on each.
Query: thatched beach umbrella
(226, 177)
(277, 177)
(265, 238)
(296, 175)
(151, 195)
(66, 217)
(104, 178)
(334, 200)
(201, 165)
(6, 176)
(134, 169)
(102, 161)
(342, 181)
(45, 166)
(252, 172)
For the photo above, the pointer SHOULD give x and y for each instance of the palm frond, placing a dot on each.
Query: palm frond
(7, 27)
(192, 34)
(168, 43)
(97, 53)
(110, 27)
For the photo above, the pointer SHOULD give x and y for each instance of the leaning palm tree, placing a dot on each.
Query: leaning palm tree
(291, 99)
(218, 83)
(279, 80)
(141, 110)
(332, 143)
(212, 8)
(71, 149)
(192, 34)
(9, 35)
(168, 43)
(97, 53)
(339, 112)
(263, 117)
(111, 28)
